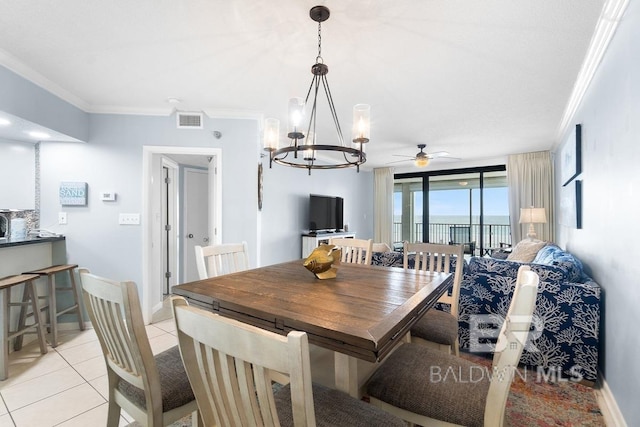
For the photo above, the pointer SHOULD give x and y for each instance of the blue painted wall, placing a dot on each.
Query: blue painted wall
(608, 241)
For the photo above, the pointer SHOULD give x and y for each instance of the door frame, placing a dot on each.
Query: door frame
(151, 296)
(170, 217)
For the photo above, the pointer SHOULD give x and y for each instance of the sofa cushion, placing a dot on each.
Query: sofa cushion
(553, 255)
(526, 250)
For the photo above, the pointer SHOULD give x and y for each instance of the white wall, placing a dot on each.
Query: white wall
(608, 241)
(285, 212)
(17, 175)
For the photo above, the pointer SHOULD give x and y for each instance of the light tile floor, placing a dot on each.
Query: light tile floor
(68, 385)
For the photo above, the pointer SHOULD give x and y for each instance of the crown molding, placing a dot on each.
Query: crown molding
(610, 17)
(228, 113)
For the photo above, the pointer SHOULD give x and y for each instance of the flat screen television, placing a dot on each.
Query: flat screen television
(325, 213)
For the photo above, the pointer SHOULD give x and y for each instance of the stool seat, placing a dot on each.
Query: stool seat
(7, 282)
(29, 297)
(53, 269)
(50, 272)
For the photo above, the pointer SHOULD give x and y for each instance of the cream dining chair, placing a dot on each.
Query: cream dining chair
(226, 258)
(432, 388)
(438, 328)
(354, 251)
(154, 390)
(232, 380)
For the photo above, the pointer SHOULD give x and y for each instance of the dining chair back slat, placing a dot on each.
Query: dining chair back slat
(354, 251)
(230, 379)
(216, 260)
(134, 374)
(437, 258)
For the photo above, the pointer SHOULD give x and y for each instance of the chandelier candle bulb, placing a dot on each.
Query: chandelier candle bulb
(296, 114)
(271, 132)
(361, 123)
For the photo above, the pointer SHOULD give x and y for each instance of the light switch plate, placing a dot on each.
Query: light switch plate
(129, 219)
(62, 218)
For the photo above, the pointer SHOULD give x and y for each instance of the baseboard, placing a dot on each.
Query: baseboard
(610, 411)
(73, 326)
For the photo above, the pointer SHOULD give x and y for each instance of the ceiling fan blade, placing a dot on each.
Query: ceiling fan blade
(403, 155)
(399, 161)
(438, 154)
(446, 159)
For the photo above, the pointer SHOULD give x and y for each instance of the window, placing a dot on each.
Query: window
(464, 206)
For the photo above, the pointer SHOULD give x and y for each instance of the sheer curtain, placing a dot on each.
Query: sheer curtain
(530, 177)
(383, 205)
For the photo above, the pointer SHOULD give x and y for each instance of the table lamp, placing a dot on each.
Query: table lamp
(532, 216)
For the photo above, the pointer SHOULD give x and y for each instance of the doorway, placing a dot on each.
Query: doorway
(153, 231)
(196, 219)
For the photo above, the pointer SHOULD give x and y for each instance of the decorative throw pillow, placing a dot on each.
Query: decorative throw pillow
(526, 250)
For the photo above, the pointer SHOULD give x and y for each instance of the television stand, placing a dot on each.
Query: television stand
(310, 241)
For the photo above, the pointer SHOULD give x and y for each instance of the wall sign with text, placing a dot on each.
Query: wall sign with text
(73, 193)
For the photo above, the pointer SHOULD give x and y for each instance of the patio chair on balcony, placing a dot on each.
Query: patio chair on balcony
(461, 235)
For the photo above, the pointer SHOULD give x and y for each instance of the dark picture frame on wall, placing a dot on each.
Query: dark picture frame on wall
(260, 186)
(571, 205)
(571, 157)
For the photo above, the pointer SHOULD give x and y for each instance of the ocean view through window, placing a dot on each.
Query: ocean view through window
(469, 207)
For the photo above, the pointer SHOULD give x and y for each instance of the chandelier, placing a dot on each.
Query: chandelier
(303, 150)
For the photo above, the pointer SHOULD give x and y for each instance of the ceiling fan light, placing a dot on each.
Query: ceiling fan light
(422, 162)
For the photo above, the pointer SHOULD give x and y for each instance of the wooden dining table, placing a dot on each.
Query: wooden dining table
(361, 314)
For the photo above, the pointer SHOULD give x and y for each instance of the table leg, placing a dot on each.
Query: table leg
(346, 373)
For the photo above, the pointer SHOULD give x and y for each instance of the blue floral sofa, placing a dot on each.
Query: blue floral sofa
(565, 340)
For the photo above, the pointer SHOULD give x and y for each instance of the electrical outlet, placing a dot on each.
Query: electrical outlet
(62, 218)
(129, 219)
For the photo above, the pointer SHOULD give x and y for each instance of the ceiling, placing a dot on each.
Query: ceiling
(478, 79)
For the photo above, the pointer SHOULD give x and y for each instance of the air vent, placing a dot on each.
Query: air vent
(189, 120)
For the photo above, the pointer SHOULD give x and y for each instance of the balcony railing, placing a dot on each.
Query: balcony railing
(494, 234)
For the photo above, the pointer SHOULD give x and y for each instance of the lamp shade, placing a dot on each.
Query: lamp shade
(533, 216)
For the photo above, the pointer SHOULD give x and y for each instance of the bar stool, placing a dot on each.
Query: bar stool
(51, 307)
(29, 296)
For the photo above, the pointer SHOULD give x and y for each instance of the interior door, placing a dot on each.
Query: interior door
(196, 214)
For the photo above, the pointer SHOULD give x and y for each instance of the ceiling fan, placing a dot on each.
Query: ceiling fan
(422, 159)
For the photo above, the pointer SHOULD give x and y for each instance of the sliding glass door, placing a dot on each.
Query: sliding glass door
(408, 207)
(468, 207)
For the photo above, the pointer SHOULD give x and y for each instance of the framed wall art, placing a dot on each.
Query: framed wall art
(571, 157)
(73, 193)
(260, 186)
(571, 205)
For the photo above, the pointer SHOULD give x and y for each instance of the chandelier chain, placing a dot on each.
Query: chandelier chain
(319, 57)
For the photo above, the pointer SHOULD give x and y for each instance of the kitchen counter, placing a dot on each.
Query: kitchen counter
(8, 242)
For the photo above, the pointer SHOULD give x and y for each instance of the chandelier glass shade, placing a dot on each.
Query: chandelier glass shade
(304, 149)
